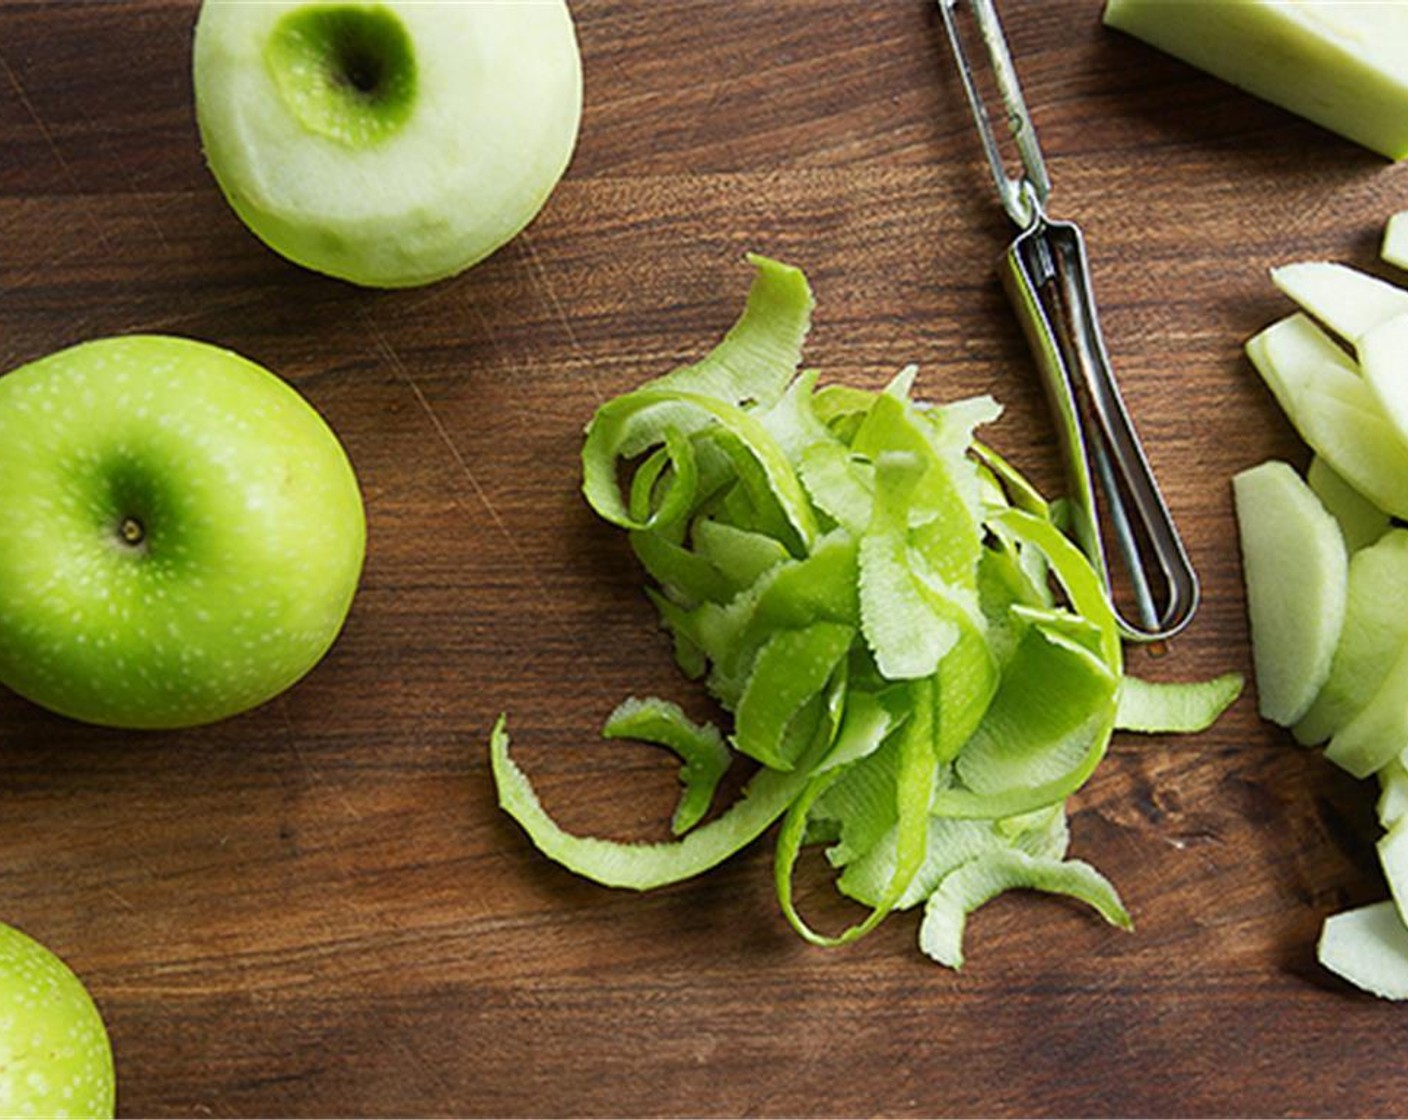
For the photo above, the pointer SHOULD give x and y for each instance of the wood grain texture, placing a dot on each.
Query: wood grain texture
(317, 909)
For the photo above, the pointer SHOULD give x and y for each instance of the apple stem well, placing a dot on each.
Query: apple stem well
(132, 532)
(347, 72)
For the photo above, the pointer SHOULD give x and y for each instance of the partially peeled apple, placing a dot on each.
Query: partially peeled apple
(388, 144)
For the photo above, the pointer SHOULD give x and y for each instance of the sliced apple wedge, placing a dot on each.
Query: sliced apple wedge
(1361, 522)
(1379, 732)
(1319, 388)
(1346, 300)
(1393, 793)
(1395, 243)
(1383, 357)
(1370, 638)
(1293, 353)
(1369, 948)
(1393, 856)
(1294, 561)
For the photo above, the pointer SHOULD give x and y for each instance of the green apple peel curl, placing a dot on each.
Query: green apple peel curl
(870, 594)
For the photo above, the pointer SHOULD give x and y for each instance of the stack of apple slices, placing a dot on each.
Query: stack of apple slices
(1326, 565)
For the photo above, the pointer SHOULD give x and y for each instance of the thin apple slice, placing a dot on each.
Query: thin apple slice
(1293, 353)
(1379, 732)
(1395, 244)
(1370, 639)
(1369, 948)
(1361, 522)
(1302, 365)
(1383, 357)
(1346, 300)
(1393, 857)
(1295, 564)
(1393, 793)
(1319, 388)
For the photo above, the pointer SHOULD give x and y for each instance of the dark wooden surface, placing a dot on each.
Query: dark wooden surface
(316, 908)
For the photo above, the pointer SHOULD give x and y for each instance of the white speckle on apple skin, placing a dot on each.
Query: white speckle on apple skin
(53, 1046)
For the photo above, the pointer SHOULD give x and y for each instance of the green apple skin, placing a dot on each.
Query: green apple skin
(389, 144)
(55, 1058)
(183, 533)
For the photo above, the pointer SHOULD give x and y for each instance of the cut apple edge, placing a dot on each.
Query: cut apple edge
(1296, 572)
(1346, 300)
(1369, 948)
(1383, 358)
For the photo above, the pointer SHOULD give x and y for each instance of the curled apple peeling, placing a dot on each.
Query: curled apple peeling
(921, 664)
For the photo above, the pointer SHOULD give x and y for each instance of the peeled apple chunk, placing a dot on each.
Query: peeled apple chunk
(1294, 560)
(1341, 65)
(1395, 243)
(388, 144)
(1370, 639)
(1383, 356)
(1351, 303)
(1369, 948)
(1361, 522)
(1323, 395)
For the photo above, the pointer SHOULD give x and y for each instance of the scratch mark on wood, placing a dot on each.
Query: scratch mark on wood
(388, 352)
(543, 283)
(29, 108)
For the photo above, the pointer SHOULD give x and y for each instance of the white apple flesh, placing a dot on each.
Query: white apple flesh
(1393, 793)
(1349, 302)
(1361, 522)
(1370, 639)
(1322, 393)
(1369, 948)
(1294, 561)
(183, 533)
(1378, 732)
(389, 145)
(1394, 248)
(1339, 64)
(1383, 356)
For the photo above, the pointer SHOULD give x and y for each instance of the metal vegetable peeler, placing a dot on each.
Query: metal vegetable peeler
(1047, 277)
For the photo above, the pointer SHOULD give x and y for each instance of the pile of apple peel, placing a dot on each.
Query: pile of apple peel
(920, 662)
(1326, 565)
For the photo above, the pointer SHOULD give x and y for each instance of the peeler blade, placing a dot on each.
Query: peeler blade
(1046, 273)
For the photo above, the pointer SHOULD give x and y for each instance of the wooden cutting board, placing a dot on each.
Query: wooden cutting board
(317, 908)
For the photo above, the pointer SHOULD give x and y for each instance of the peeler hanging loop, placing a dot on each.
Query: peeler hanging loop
(1046, 273)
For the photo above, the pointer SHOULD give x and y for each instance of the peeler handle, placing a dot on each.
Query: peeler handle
(1047, 276)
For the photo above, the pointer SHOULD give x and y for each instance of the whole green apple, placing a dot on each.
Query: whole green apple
(390, 144)
(55, 1059)
(182, 538)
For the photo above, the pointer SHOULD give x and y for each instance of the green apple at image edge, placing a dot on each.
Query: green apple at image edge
(389, 144)
(184, 533)
(55, 1058)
